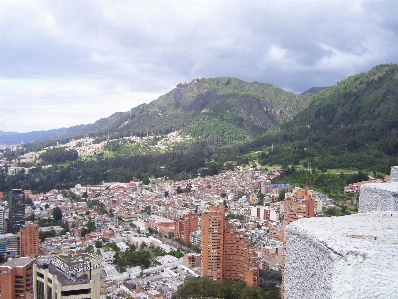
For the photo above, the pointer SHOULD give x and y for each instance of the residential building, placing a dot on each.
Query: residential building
(16, 279)
(68, 277)
(185, 226)
(10, 245)
(192, 260)
(298, 205)
(16, 204)
(2, 221)
(226, 254)
(29, 243)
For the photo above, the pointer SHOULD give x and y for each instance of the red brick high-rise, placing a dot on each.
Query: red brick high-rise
(226, 253)
(29, 245)
(185, 226)
(300, 205)
(16, 279)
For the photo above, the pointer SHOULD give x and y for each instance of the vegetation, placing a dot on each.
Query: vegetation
(351, 125)
(205, 287)
(59, 155)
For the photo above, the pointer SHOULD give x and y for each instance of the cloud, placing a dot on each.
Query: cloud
(78, 61)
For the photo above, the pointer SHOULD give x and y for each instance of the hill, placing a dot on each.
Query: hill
(205, 108)
(14, 138)
(352, 124)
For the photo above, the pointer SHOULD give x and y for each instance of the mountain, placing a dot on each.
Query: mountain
(354, 123)
(203, 108)
(14, 138)
(2, 133)
(81, 130)
(312, 91)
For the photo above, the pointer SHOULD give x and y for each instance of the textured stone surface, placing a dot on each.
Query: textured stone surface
(394, 174)
(353, 256)
(378, 197)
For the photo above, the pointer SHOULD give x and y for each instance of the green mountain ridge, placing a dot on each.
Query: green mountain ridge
(247, 108)
(358, 116)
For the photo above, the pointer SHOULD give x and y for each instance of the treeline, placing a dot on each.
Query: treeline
(206, 288)
(180, 164)
(59, 155)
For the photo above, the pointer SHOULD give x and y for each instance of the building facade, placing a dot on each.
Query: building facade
(297, 206)
(16, 279)
(2, 221)
(29, 242)
(10, 245)
(68, 277)
(226, 253)
(16, 204)
(185, 226)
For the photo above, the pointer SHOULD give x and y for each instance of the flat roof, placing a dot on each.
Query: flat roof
(72, 259)
(19, 262)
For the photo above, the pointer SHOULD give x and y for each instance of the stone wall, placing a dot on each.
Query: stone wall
(378, 197)
(353, 256)
(394, 174)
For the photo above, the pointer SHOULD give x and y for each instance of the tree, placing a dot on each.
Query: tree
(145, 181)
(90, 226)
(57, 214)
(282, 195)
(98, 244)
(89, 249)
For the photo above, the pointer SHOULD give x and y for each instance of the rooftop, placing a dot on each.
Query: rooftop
(19, 262)
(77, 258)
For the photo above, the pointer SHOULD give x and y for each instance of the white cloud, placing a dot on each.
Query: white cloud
(60, 54)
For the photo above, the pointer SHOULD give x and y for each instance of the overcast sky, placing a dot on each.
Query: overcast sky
(65, 63)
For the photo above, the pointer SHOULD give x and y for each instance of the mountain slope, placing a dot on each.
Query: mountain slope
(245, 108)
(358, 115)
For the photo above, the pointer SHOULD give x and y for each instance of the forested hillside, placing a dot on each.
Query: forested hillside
(353, 124)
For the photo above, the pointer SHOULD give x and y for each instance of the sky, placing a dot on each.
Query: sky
(72, 62)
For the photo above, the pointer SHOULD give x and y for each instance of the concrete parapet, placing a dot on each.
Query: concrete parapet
(394, 174)
(378, 197)
(352, 256)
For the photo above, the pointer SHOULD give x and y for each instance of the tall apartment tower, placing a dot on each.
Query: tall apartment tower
(185, 226)
(29, 242)
(16, 203)
(2, 221)
(226, 253)
(16, 279)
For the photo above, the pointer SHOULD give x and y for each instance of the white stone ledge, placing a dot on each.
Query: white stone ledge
(394, 174)
(353, 256)
(378, 197)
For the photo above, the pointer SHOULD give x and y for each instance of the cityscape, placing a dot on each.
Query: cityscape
(84, 242)
(198, 149)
